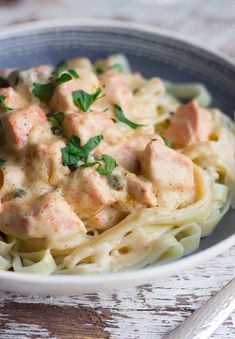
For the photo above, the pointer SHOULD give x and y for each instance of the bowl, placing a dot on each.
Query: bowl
(151, 51)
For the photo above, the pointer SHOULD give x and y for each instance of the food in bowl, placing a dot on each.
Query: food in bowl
(103, 170)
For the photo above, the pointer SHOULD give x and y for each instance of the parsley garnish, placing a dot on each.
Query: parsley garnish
(73, 73)
(3, 105)
(99, 70)
(2, 162)
(43, 91)
(110, 164)
(56, 120)
(116, 67)
(168, 142)
(122, 118)
(74, 152)
(107, 169)
(84, 100)
(3, 82)
(63, 78)
(60, 69)
(61, 74)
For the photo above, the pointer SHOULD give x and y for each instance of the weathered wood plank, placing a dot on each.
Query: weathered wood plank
(145, 312)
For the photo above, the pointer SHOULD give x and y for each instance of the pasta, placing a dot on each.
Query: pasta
(103, 170)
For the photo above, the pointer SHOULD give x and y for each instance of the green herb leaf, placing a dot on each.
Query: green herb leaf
(73, 73)
(91, 144)
(74, 152)
(43, 91)
(3, 82)
(117, 67)
(99, 70)
(90, 164)
(61, 75)
(168, 142)
(84, 100)
(60, 69)
(63, 78)
(121, 117)
(110, 164)
(2, 162)
(68, 157)
(3, 105)
(57, 121)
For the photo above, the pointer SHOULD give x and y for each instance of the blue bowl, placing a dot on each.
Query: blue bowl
(150, 51)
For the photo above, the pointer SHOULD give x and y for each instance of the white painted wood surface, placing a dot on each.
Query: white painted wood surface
(148, 311)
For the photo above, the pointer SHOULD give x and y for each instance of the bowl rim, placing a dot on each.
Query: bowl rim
(134, 276)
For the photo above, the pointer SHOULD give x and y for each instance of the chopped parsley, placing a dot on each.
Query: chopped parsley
(84, 100)
(2, 162)
(63, 78)
(3, 105)
(3, 82)
(109, 166)
(57, 121)
(60, 75)
(74, 152)
(73, 73)
(43, 91)
(168, 142)
(99, 70)
(121, 117)
(116, 67)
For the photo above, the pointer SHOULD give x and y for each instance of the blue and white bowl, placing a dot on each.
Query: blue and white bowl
(152, 52)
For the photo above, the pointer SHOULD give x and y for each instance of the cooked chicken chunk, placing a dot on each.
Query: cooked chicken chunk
(18, 124)
(13, 99)
(189, 125)
(171, 174)
(86, 125)
(46, 217)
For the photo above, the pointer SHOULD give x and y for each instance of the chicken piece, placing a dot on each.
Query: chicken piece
(46, 217)
(88, 192)
(189, 125)
(12, 179)
(116, 90)
(45, 162)
(13, 99)
(22, 80)
(128, 153)
(141, 190)
(62, 99)
(79, 62)
(105, 219)
(89, 124)
(171, 174)
(17, 125)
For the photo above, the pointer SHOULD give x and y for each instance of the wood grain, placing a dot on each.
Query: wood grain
(149, 311)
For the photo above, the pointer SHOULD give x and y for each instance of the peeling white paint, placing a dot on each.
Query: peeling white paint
(151, 311)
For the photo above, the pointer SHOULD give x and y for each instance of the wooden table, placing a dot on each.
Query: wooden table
(149, 311)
